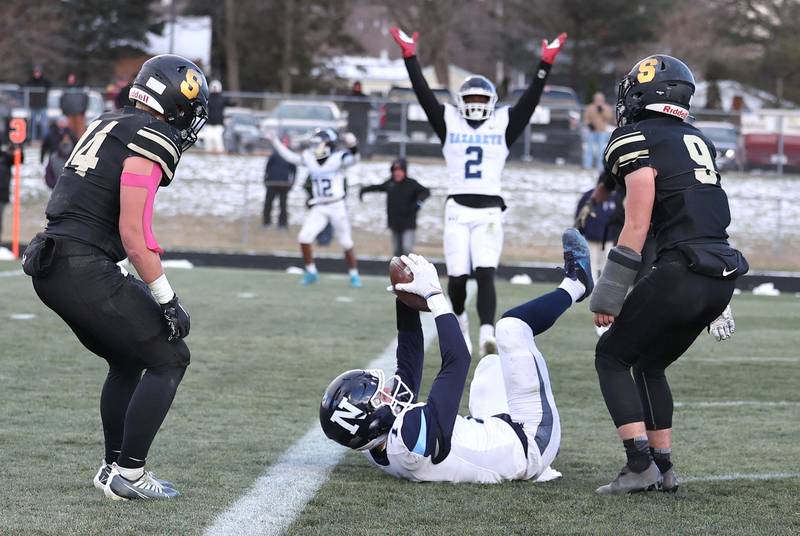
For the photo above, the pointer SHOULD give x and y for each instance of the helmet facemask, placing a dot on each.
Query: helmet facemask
(476, 110)
(189, 134)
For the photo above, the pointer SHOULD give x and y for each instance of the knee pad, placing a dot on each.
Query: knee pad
(514, 344)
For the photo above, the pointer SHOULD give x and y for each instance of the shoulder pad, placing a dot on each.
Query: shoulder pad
(159, 142)
(627, 150)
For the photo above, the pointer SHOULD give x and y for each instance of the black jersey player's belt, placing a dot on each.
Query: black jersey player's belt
(517, 427)
(73, 248)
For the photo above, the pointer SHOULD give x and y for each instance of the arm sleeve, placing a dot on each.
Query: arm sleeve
(410, 347)
(433, 108)
(422, 193)
(158, 142)
(520, 114)
(627, 151)
(286, 153)
(374, 188)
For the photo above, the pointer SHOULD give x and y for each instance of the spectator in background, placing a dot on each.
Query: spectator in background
(215, 126)
(404, 197)
(74, 103)
(56, 147)
(597, 118)
(358, 107)
(6, 164)
(38, 88)
(278, 178)
(122, 98)
(599, 223)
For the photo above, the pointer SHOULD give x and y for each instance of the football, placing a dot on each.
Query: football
(399, 273)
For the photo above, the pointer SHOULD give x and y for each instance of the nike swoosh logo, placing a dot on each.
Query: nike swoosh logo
(726, 273)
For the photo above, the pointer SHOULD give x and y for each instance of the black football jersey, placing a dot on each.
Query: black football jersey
(84, 205)
(690, 205)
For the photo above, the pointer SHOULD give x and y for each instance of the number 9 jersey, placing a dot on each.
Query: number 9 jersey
(84, 205)
(475, 157)
(690, 205)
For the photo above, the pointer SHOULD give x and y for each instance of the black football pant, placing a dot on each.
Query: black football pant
(116, 317)
(661, 317)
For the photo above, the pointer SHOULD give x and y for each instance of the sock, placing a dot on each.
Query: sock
(574, 288)
(638, 452)
(311, 268)
(487, 296)
(353, 271)
(486, 332)
(131, 474)
(662, 458)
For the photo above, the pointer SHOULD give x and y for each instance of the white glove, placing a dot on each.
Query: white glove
(426, 280)
(723, 327)
(349, 139)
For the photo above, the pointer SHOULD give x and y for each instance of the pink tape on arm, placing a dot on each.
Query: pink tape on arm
(150, 183)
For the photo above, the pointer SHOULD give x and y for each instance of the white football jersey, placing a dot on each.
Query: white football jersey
(475, 157)
(328, 179)
(484, 451)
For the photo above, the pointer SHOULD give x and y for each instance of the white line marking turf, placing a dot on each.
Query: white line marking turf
(11, 273)
(280, 494)
(739, 476)
(733, 403)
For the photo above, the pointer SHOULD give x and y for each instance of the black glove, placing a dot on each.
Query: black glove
(177, 318)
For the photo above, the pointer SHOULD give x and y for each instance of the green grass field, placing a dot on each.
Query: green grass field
(263, 349)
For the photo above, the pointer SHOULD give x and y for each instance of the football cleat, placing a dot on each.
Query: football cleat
(147, 486)
(309, 278)
(355, 281)
(487, 343)
(463, 323)
(576, 260)
(629, 482)
(101, 477)
(669, 481)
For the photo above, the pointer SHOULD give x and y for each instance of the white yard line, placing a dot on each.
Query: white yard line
(11, 273)
(739, 476)
(744, 359)
(280, 494)
(735, 403)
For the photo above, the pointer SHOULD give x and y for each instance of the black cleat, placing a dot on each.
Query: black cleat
(576, 259)
(146, 486)
(629, 482)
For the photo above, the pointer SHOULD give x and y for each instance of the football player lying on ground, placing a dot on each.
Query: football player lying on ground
(513, 431)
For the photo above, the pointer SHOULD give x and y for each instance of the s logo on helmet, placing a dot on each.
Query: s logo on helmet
(647, 70)
(347, 411)
(190, 87)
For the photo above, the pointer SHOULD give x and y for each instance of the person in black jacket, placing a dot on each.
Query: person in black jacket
(278, 178)
(404, 197)
(6, 163)
(215, 127)
(56, 148)
(38, 87)
(74, 103)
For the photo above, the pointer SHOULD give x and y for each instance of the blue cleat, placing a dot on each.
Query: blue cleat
(309, 278)
(355, 281)
(576, 259)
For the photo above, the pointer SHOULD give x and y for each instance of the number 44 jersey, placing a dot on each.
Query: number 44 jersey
(84, 205)
(475, 157)
(690, 205)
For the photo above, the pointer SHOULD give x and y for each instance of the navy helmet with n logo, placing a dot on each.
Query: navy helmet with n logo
(359, 407)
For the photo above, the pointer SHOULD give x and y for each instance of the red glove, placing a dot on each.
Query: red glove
(407, 44)
(551, 50)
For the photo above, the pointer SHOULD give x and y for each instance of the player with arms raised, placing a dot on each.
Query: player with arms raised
(328, 183)
(513, 431)
(99, 213)
(475, 139)
(668, 171)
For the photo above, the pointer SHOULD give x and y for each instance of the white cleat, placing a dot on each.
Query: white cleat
(147, 486)
(463, 323)
(487, 342)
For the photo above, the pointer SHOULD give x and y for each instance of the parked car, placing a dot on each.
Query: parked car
(296, 118)
(419, 135)
(725, 137)
(759, 146)
(555, 125)
(243, 130)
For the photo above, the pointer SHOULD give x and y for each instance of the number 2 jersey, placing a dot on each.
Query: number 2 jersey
(475, 156)
(84, 205)
(690, 205)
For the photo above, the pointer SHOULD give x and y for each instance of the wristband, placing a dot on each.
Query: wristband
(438, 305)
(161, 289)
